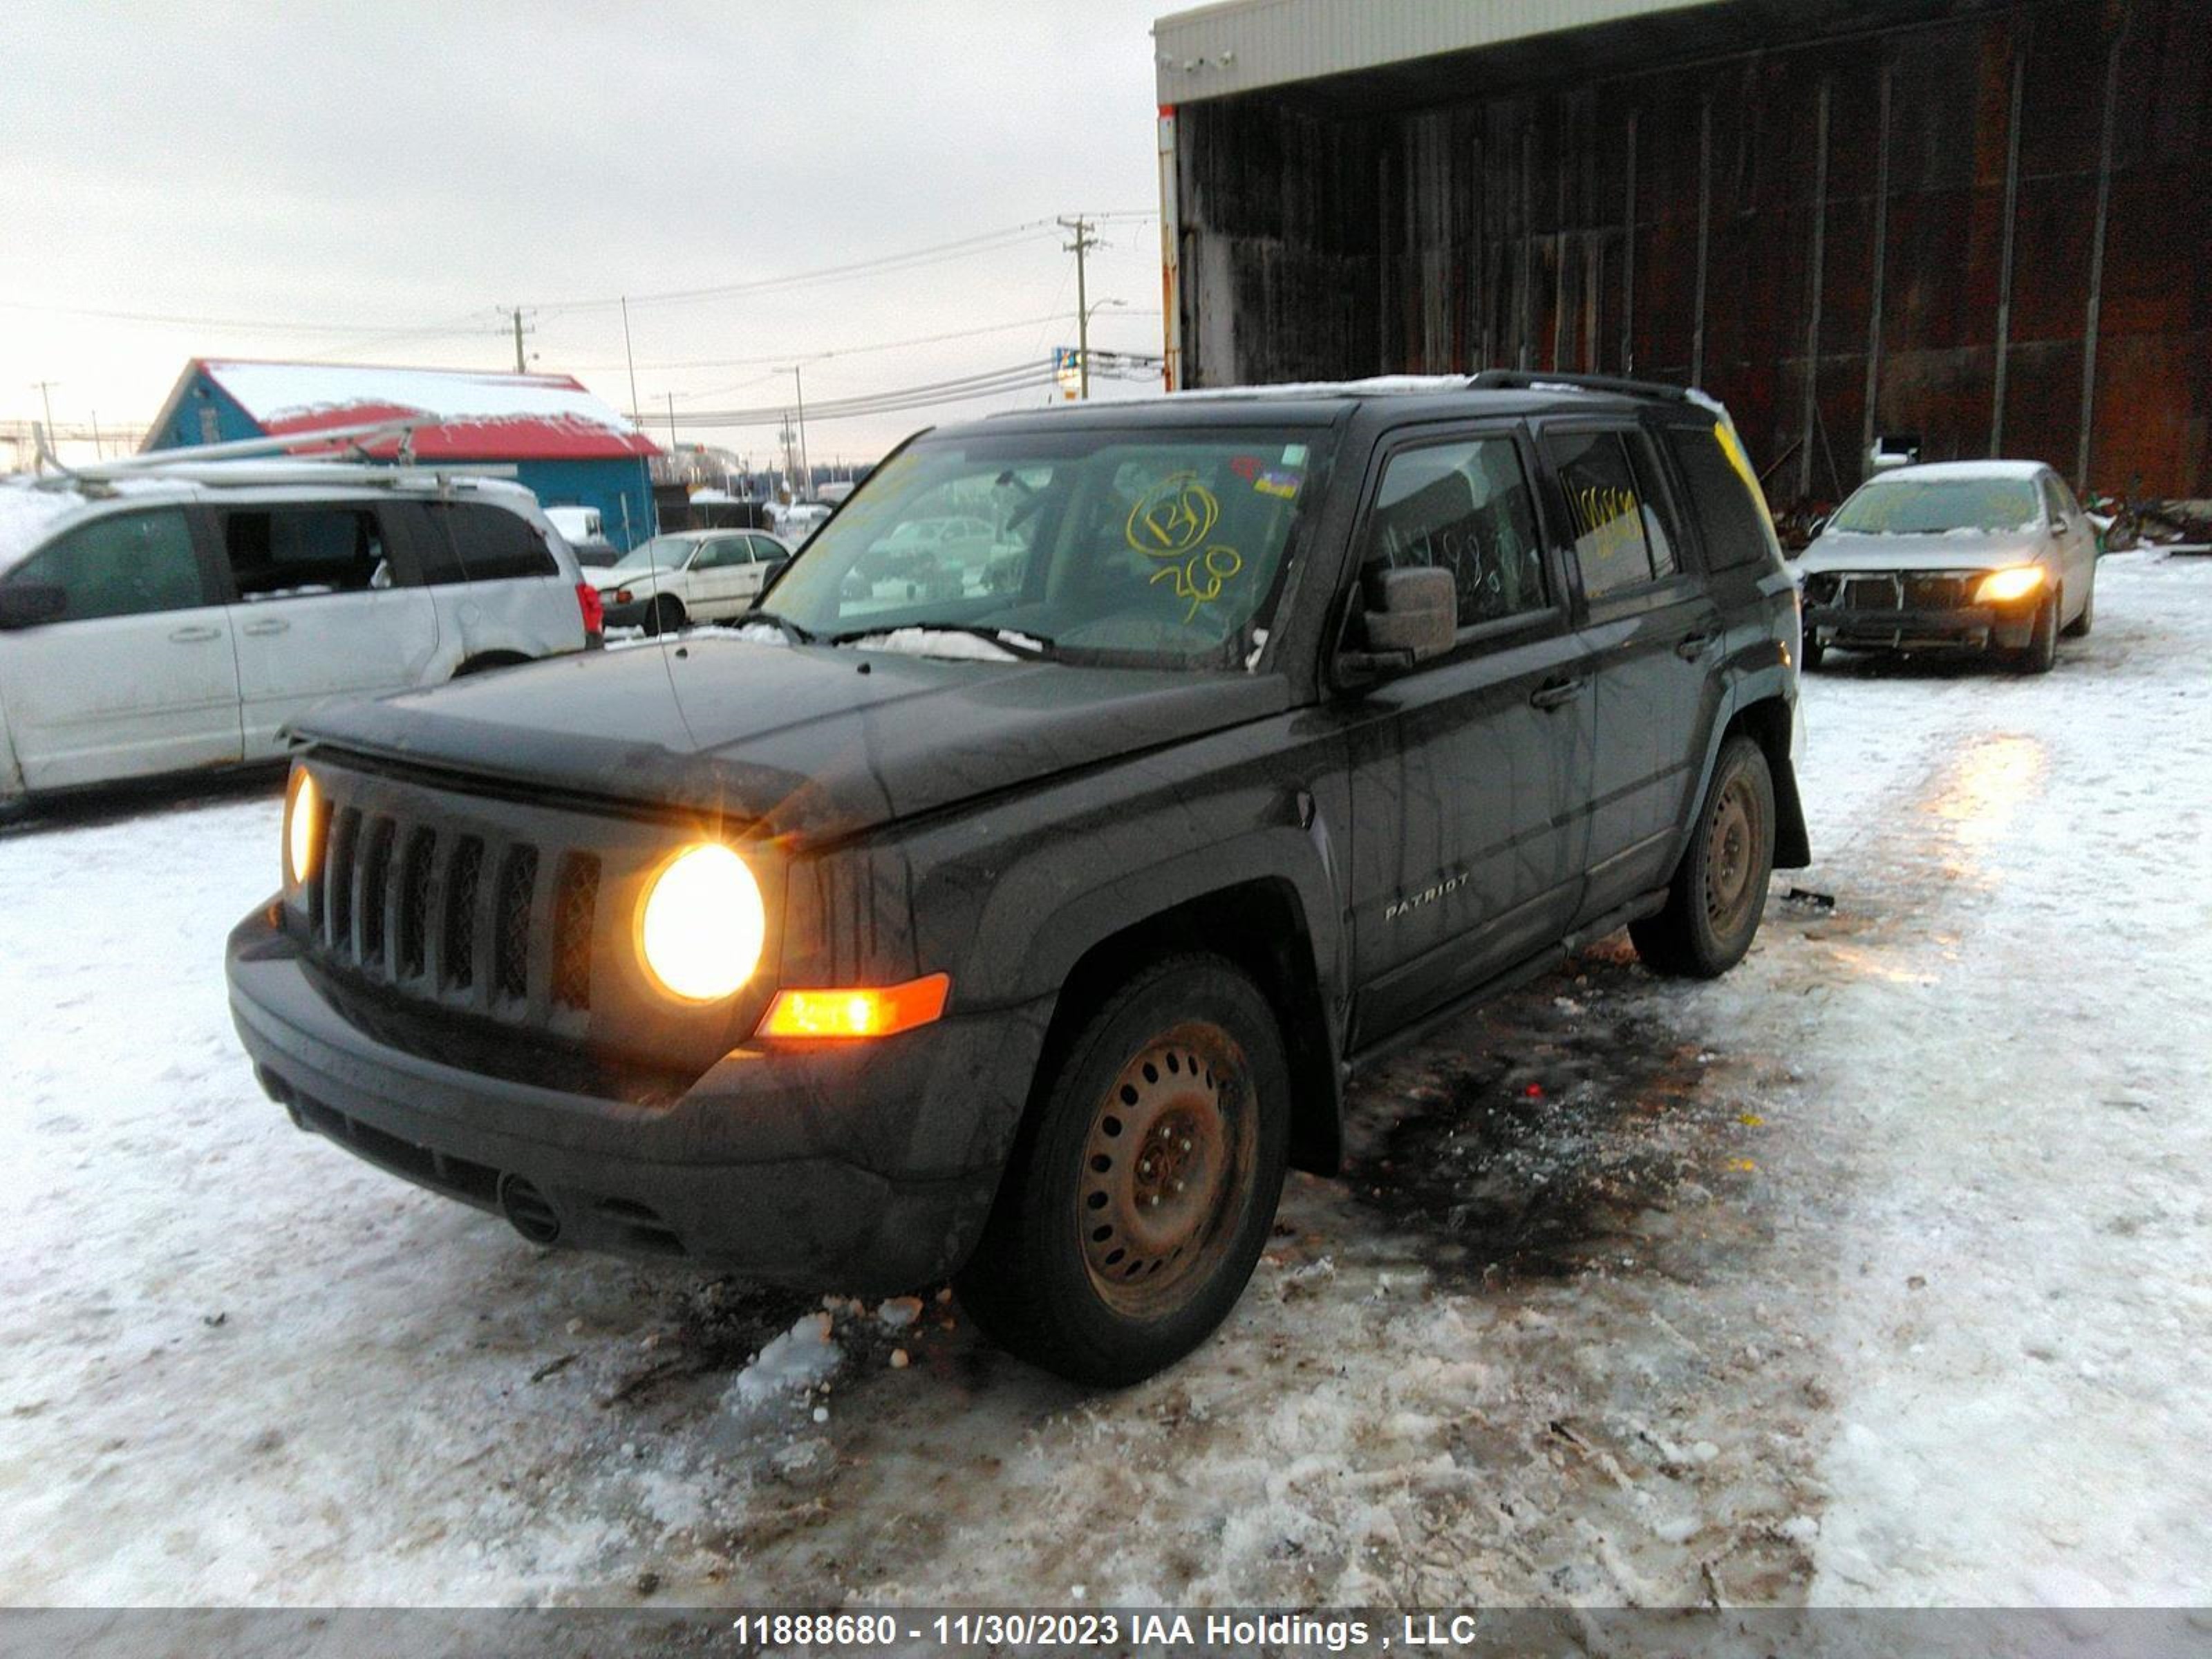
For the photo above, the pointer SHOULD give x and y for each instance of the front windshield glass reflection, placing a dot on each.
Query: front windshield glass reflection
(1147, 547)
(1929, 507)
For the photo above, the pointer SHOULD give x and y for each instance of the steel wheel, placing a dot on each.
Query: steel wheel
(1170, 1147)
(1718, 891)
(1139, 1189)
(1732, 843)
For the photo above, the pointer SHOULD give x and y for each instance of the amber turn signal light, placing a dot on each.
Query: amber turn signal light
(857, 1012)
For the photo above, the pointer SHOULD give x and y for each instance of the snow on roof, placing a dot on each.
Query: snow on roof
(1373, 385)
(481, 416)
(1937, 471)
(25, 514)
(31, 510)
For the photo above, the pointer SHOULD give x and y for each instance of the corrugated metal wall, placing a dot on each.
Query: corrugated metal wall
(1915, 210)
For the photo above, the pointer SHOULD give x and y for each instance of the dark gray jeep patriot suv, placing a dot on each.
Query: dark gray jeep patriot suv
(1020, 918)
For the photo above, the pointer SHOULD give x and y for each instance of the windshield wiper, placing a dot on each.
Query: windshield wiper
(792, 630)
(1030, 647)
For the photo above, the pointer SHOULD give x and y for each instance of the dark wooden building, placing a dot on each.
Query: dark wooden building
(1985, 224)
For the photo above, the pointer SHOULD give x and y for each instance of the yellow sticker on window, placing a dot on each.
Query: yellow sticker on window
(1173, 517)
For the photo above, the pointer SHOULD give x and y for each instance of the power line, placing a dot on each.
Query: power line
(1059, 316)
(265, 326)
(1015, 377)
(990, 241)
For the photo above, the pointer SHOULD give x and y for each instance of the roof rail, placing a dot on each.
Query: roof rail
(354, 437)
(1527, 380)
(279, 470)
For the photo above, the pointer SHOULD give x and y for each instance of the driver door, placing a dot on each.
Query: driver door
(138, 675)
(1471, 774)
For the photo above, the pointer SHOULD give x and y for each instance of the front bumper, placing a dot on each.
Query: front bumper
(632, 615)
(1967, 628)
(861, 1167)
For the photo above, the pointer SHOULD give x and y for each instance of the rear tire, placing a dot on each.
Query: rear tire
(1719, 894)
(666, 617)
(1142, 1185)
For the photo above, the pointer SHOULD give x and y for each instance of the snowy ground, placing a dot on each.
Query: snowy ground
(1876, 1272)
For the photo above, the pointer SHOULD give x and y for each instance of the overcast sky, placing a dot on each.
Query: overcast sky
(374, 183)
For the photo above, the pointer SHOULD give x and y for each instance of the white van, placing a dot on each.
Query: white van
(155, 622)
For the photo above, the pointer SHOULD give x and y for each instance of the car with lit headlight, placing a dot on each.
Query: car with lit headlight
(1954, 557)
(1027, 932)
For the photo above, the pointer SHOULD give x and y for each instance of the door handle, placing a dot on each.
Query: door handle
(195, 636)
(1693, 646)
(274, 625)
(1552, 693)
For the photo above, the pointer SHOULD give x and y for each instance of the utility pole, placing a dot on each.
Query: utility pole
(798, 387)
(1084, 242)
(805, 463)
(671, 426)
(522, 365)
(628, 358)
(44, 389)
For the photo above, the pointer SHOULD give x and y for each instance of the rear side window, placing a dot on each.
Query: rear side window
(1464, 507)
(296, 552)
(129, 565)
(487, 544)
(1729, 519)
(1621, 541)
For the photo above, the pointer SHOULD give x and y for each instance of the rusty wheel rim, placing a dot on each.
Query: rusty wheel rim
(1731, 856)
(1166, 1164)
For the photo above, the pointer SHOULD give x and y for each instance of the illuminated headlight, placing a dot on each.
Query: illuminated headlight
(2003, 587)
(702, 925)
(303, 813)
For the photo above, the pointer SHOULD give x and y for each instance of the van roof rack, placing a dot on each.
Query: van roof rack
(268, 460)
(278, 471)
(1527, 380)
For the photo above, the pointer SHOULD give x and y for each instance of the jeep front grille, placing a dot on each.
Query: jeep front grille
(444, 914)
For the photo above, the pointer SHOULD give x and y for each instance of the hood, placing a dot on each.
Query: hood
(811, 741)
(641, 581)
(1835, 551)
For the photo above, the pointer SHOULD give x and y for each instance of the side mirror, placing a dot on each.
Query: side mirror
(26, 604)
(1411, 617)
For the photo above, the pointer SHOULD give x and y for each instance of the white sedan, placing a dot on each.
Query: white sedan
(688, 575)
(1964, 556)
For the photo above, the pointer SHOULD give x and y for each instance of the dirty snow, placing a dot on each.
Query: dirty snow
(1873, 1273)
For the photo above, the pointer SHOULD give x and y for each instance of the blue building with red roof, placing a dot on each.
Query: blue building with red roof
(566, 445)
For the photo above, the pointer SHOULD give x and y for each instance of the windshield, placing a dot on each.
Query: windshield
(1926, 507)
(661, 553)
(1149, 548)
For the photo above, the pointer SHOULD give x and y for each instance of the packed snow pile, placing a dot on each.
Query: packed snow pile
(802, 1357)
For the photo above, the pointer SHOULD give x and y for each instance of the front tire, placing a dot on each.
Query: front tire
(666, 617)
(1719, 894)
(1810, 651)
(2042, 648)
(2080, 627)
(1142, 1186)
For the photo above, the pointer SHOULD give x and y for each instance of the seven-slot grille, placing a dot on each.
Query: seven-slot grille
(454, 916)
